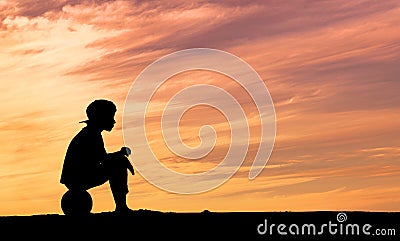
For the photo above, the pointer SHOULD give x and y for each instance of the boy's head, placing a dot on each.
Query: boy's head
(101, 114)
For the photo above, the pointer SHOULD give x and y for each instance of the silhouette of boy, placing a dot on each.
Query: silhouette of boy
(87, 164)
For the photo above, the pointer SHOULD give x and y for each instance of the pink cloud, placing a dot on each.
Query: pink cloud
(331, 68)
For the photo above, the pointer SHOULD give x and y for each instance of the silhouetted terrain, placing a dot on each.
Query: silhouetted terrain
(151, 225)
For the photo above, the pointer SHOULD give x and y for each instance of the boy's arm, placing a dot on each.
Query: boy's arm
(127, 152)
(124, 152)
(130, 167)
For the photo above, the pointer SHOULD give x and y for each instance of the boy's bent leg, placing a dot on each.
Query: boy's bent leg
(118, 180)
(118, 176)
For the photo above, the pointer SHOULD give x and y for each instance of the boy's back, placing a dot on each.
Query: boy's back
(84, 155)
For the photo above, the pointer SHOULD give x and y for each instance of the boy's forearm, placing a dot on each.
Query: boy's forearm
(130, 167)
(115, 154)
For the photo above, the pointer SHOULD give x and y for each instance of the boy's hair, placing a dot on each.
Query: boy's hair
(100, 109)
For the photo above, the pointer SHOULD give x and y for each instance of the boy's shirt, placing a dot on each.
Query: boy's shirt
(84, 155)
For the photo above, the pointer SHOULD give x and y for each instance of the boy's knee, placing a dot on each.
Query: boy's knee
(117, 166)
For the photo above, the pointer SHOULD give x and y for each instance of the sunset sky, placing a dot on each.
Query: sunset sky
(331, 68)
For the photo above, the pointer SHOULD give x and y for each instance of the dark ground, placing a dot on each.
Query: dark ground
(153, 225)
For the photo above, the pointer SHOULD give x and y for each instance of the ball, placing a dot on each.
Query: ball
(76, 202)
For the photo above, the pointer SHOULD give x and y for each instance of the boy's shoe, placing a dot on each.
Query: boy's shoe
(124, 211)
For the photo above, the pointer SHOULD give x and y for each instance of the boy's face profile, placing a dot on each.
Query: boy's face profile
(108, 122)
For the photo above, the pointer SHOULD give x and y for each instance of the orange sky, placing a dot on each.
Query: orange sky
(331, 68)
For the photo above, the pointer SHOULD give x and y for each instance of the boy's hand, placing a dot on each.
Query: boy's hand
(132, 171)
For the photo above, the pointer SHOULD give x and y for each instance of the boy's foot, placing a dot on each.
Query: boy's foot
(124, 210)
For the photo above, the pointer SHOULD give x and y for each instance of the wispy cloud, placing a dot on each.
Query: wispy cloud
(331, 68)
